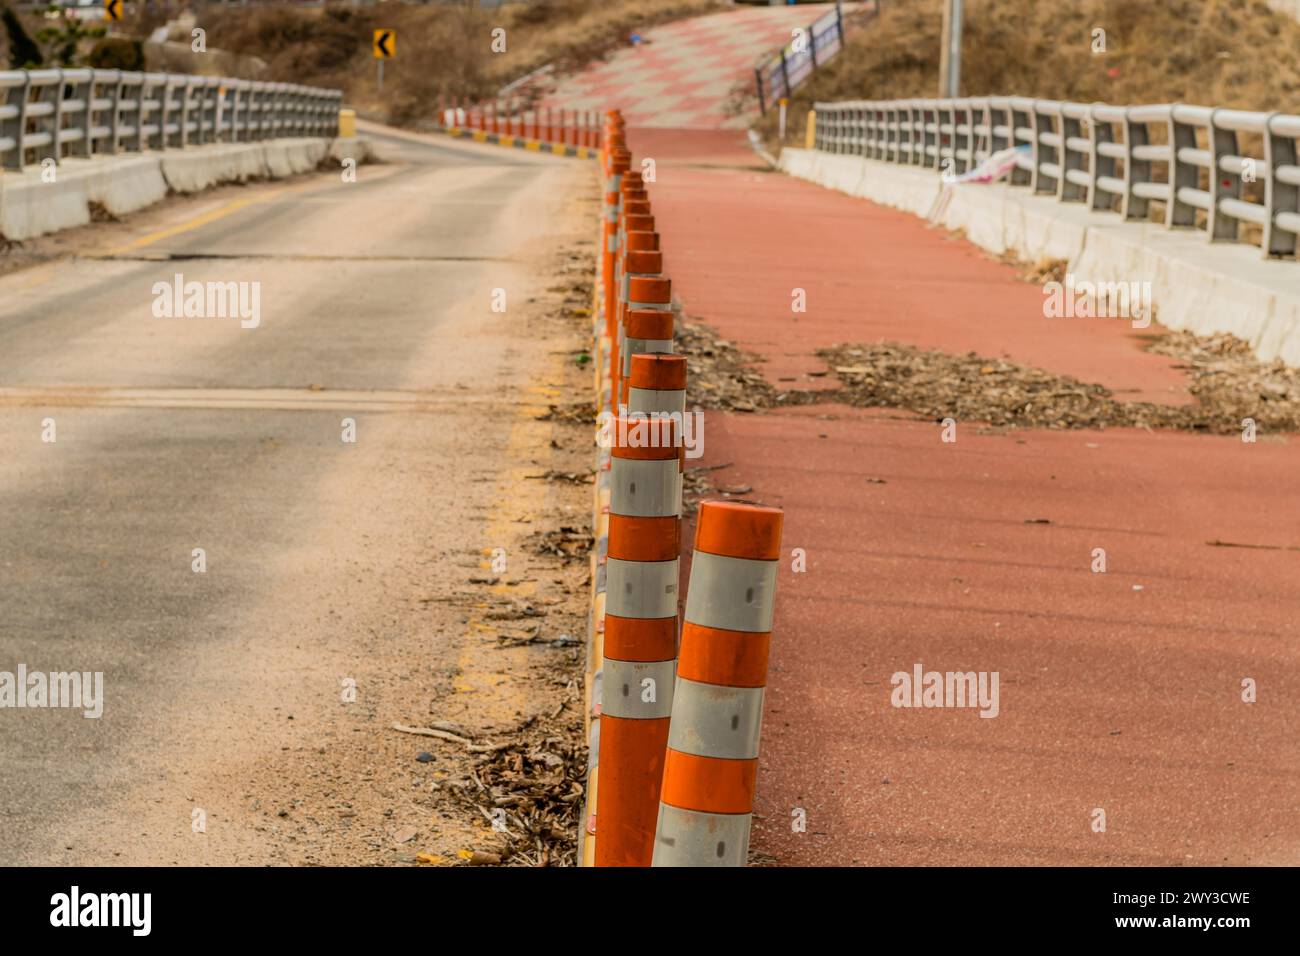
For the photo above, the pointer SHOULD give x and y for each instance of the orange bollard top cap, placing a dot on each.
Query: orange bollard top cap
(648, 324)
(643, 289)
(642, 241)
(645, 261)
(636, 207)
(644, 438)
(659, 371)
(639, 223)
(737, 529)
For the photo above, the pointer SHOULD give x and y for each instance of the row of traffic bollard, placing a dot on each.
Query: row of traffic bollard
(569, 127)
(674, 719)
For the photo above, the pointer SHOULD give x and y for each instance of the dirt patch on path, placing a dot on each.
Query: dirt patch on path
(1230, 385)
(719, 375)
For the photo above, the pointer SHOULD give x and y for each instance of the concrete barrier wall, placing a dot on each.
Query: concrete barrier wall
(30, 206)
(1194, 285)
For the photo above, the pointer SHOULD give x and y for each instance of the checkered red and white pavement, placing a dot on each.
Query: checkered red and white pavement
(683, 73)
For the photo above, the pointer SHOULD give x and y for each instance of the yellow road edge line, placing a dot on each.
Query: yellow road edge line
(189, 225)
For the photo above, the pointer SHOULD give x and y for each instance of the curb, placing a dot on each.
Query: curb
(600, 548)
(128, 182)
(519, 142)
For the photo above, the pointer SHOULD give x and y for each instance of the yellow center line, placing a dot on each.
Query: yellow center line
(32, 277)
(203, 219)
(212, 215)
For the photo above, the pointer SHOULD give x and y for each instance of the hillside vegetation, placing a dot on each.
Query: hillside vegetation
(1234, 53)
(444, 49)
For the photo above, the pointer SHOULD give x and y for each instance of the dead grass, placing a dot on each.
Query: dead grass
(1229, 384)
(1231, 53)
(442, 50)
(572, 33)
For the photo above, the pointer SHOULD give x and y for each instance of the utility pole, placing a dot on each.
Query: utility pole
(950, 51)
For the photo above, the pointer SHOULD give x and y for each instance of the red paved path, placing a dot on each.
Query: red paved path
(1111, 697)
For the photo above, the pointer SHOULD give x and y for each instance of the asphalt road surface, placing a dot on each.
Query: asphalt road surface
(226, 433)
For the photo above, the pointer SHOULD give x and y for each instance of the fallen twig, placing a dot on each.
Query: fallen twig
(454, 738)
(431, 732)
(489, 748)
(1216, 543)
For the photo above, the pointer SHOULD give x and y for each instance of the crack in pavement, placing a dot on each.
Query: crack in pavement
(279, 399)
(291, 257)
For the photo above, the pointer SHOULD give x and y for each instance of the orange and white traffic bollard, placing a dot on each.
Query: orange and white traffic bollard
(709, 772)
(614, 164)
(644, 331)
(637, 207)
(624, 250)
(640, 636)
(632, 187)
(621, 244)
(621, 291)
(643, 292)
(633, 224)
(611, 134)
(618, 167)
(630, 204)
(657, 384)
(641, 241)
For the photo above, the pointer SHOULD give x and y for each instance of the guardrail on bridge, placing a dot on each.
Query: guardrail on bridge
(50, 114)
(1110, 158)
